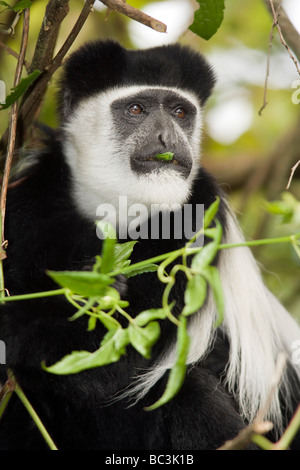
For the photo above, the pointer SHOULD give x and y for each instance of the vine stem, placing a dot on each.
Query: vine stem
(35, 417)
(289, 433)
(174, 254)
(266, 241)
(5, 395)
(36, 295)
(191, 251)
(262, 442)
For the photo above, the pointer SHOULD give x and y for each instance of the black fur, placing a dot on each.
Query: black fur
(101, 65)
(46, 232)
(74, 408)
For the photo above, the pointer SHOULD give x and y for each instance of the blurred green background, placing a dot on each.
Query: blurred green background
(250, 155)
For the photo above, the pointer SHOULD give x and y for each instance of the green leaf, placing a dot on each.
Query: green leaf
(195, 294)
(205, 256)
(19, 90)
(149, 268)
(109, 242)
(121, 339)
(177, 373)
(167, 156)
(278, 208)
(107, 255)
(149, 315)
(208, 252)
(108, 321)
(97, 264)
(142, 339)
(208, 18)
(288, 208)
(110, 299)
(211, 212)
(92, 323)
(6, 5)
(119, 336)
(108, 336)
(122, 253)
(83, 310)
(22, 4)
(107, 229)
(212, 276)
(86, 283)
(110, 351)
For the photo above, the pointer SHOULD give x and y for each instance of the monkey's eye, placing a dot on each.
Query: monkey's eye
(180, 112)
(135, 109)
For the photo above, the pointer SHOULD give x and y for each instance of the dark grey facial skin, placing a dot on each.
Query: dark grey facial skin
(154, 122)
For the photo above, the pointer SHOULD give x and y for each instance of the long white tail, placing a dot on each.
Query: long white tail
(258, 328)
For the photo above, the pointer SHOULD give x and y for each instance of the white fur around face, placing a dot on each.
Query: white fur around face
(100, 165)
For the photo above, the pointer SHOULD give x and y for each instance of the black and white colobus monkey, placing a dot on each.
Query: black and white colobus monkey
(119, 109)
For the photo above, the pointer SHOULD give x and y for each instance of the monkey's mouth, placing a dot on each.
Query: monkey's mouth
(146, 164)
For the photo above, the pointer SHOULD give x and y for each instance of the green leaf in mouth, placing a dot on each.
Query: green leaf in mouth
(167, 156)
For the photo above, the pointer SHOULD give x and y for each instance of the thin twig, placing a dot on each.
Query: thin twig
(5, 395)
(277, 377)
(268, 70)
(294, 168)
(10, 51)
(13, 121)
(10, 30)
(259, 426)
(244, 438)
(287, 30)
(275, 17)
(134, 14)
(290, 33)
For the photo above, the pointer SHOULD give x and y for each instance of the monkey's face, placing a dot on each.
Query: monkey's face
(135, 141)
(157, 126)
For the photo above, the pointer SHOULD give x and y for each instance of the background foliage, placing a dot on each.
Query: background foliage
(251, 132)
(250, 154)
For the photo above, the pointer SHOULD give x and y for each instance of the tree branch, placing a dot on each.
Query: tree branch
(56, 11)
(13, 122)
(32, 100)
(137, 15)
(294, 168)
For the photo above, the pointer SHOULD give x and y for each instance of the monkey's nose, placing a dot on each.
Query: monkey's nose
(166, 137)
